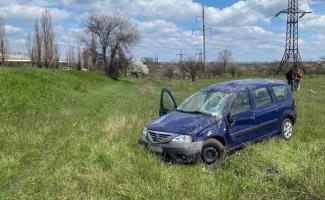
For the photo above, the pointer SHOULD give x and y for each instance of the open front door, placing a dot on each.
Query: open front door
(167, 102)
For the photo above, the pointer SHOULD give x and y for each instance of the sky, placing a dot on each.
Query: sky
(245, 27)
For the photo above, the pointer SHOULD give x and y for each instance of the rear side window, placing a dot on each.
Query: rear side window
(241, 104)
(281, 92)
(262, 97)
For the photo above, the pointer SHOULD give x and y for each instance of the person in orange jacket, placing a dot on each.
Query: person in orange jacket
(297, 77)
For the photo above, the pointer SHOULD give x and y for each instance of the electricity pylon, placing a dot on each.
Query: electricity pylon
(291, 55)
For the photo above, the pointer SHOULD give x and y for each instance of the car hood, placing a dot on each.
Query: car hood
(181, 123)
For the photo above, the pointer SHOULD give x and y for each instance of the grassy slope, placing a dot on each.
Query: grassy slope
(74, 135)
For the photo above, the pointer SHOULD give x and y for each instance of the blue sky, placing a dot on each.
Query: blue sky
(247, 28)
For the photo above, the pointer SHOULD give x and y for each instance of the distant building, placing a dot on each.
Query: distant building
(17, 56)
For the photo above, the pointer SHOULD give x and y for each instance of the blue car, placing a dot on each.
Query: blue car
(219, 119)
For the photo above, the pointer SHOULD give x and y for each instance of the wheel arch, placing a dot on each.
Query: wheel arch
(291, 118)
(290, 114)
(220, 139)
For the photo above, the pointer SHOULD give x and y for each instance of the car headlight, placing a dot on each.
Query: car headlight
(183, 139)
(145, 131)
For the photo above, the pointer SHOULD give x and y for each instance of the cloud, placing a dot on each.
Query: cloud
(314, 22)
(30, 12)
(173, 10)
(13, 30)
(246, 13)
(18, 42)
(161, 25)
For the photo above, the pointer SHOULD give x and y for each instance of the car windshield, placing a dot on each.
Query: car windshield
(210, 103)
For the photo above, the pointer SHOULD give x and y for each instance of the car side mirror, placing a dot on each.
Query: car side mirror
(230, 118)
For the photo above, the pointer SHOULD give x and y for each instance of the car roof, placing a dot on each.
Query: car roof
(238, 85)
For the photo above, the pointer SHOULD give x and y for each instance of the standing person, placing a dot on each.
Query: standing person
(290, 78)
(298, 76)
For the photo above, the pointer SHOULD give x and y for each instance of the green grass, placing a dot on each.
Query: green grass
(73, 135)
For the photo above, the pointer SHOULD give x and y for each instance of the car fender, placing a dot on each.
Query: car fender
(217, 131)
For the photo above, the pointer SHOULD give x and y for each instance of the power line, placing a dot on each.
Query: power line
(203, 29)
(181, 55)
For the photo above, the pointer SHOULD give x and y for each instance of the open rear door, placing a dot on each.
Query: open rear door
(167, 102)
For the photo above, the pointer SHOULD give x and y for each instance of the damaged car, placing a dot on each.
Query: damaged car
(220, 118)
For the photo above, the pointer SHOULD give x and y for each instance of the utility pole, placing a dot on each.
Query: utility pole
(181, 55)
(203, 29)
(291, 55)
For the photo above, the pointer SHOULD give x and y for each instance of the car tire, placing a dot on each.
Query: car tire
(212, 153)
(287, 129)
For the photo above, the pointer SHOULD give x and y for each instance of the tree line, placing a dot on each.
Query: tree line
(104, 43)
(193, 67)
(42, 49)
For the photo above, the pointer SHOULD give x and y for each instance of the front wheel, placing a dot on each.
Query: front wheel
(212, 152)
(287, 129)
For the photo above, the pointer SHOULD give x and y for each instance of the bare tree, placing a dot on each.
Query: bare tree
(37, 44)
(92, 50)
(125, 36)
(193, 67)
(123, 62)
(71, 61)
(111, 33)
(29, 47)
(183, 69)
(4, 43)
(55, 57)
(233, 70)
(225, 57)
(89, 53)
(100, 27)
(215, 69)
(79, 58)
(169, 71)
(49, 48)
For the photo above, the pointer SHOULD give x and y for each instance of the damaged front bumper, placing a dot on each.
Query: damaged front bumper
(178, 152)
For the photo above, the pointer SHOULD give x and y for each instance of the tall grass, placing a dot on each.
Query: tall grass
(73, 135)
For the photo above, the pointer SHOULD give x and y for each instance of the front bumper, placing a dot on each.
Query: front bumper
(179, 152)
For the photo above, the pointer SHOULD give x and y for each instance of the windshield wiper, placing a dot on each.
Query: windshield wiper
(194, 112)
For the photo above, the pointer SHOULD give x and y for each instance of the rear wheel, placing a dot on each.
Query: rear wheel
(287, 129)
(212, 152)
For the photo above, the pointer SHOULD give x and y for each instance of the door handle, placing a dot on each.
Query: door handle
(253, 117)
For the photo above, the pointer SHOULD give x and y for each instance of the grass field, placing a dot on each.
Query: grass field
(73, 135)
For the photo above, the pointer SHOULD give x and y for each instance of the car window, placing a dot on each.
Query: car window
(262, 97)
(241, 104)
(281, 92)
(168, 102)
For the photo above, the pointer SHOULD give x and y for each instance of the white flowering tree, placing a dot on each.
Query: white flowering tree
(138, 68)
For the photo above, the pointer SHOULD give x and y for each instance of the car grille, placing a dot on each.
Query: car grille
(159, 137)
